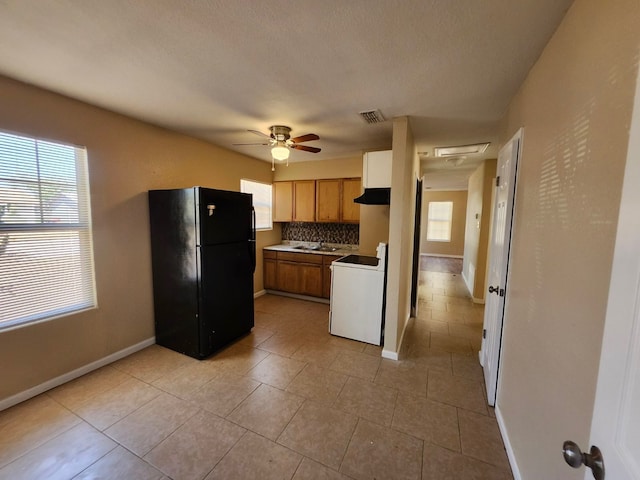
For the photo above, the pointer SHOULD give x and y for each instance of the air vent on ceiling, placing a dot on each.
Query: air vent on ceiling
(372, 116)
(460, 150)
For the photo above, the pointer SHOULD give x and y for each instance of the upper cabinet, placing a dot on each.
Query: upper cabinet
(334, 200)
(376, 169)
(351, 188)
(282, 201)
(304, 201)
(329, 200)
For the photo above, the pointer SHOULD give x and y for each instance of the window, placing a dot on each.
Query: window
(46, 257)
(439, 223)
(261, 202)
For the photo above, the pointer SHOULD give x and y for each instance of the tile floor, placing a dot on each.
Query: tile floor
(289, 401)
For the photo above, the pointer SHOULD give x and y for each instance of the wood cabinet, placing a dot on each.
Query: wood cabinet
(282, 201)
(326, 274)
(269, 269)
(351, 188)
(304, 201)
(328, 200)
(334, 200)
(294, 201)
(301, 273)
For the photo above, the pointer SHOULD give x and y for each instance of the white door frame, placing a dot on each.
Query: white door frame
(497, 268)
(615, 426)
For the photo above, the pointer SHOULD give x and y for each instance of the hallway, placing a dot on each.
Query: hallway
(287, 401)
(446, 336)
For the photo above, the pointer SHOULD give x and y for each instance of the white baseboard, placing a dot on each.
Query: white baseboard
(507, 445)
(438, 255)
(259, 294)
(396, 355)
(78, 372)
(466, 283)
(389, 354)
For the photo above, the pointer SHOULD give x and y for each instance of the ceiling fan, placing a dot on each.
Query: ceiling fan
(281, 142)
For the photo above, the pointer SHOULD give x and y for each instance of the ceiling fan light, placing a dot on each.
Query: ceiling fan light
(280, 153)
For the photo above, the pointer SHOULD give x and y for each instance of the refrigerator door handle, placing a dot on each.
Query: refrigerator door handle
(252, 240)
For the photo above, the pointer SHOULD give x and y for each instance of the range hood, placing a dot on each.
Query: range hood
(374, 196)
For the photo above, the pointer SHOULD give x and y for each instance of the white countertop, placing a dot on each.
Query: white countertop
(307, 247)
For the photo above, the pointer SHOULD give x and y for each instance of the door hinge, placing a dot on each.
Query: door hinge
(484, 333)
(498, 181)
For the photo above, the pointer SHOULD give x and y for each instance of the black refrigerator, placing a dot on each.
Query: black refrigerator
(203, 257)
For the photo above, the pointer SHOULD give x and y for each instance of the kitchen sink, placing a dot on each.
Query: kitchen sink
(303, 247)
(326, 249)
(316, 248)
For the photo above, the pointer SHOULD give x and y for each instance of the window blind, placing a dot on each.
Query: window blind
(261, 202)
(439, 221)
(46, 253)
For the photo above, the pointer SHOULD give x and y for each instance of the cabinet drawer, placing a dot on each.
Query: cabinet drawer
(269, 254)
(300, 257)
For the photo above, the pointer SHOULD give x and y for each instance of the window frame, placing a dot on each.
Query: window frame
(248, 182)
(434, 217)
(41, 235)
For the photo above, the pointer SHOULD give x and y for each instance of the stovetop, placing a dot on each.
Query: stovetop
(360, 260)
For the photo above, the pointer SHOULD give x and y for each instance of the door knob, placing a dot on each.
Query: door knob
(574, 457)
(493, 289)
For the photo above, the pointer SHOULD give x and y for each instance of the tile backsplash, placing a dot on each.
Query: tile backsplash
(343, 233)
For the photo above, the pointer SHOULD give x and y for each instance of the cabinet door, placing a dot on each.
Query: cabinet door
(351, 188)
(270, 274)
(288, 275)
(304, 201)
(310, 277)
(282, 201)
(376, 170)
(328, 200)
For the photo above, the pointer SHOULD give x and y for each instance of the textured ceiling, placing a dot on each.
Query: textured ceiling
(215, 68)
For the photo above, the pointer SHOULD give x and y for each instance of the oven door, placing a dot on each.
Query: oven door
(356, 302)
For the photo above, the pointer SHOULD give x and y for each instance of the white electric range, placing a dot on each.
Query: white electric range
(358, 285)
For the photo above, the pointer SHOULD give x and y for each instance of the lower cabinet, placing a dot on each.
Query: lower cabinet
(300, 273)
(269, 270)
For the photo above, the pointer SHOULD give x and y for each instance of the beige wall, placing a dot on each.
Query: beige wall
(575, 106)
(126, 158)
(456, 246)
(404, 174)
(350, 167)
(477, 228)
(479, 287)
(374, 227)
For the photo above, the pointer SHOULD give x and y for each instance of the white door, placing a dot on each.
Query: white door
(498, 263)
(615, 427)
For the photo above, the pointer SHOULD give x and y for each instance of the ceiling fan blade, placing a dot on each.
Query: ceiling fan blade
(305, 138)
(306, 148)
(249, 144)
(258, 132)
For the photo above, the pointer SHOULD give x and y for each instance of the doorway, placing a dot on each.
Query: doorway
(416, 249)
